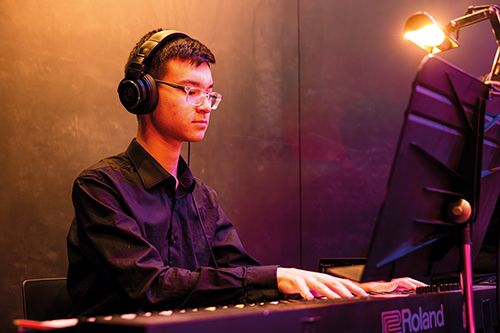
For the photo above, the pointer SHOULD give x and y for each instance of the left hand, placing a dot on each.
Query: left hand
(405, 283)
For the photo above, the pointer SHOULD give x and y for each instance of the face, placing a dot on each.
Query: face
(174, 119)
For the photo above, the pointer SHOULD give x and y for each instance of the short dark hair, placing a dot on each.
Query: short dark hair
(181, 47)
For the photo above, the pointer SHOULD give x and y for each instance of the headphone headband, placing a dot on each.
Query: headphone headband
(137, 91)
(149, 48)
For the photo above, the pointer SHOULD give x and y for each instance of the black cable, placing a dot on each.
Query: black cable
(204, 233)
(198, 213)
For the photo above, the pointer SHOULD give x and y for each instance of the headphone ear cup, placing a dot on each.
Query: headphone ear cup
(139, 96)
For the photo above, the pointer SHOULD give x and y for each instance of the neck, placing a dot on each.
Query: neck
(163, 151)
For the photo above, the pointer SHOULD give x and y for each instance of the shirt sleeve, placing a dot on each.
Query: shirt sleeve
(110, 260)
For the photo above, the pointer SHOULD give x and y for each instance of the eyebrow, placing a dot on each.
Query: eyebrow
(193, 83)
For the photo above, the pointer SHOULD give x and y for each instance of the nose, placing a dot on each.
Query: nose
(205, 106)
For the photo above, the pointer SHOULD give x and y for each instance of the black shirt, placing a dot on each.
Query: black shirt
(137, 243)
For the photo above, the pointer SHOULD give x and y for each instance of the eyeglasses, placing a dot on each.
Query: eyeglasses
(196, 96)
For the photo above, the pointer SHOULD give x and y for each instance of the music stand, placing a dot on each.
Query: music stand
(449, 149)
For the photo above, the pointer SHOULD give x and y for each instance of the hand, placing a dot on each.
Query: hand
(407, 283)
(401, 284)
(311, 284)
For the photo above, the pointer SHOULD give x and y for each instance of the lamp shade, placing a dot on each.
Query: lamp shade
(423, 30)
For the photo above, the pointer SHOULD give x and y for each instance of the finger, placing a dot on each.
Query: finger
(405, 285)
(304, 290)
(328, 286)
(379, 287)
(344, 287)
(408, 283)
(330, 291)
(354, 287)
(417, 282)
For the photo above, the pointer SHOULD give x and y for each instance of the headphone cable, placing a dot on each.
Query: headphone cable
(204, 233)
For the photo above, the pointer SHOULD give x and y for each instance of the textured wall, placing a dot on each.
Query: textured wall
(299, 150)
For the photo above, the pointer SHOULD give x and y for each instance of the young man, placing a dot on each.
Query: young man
(147, 235)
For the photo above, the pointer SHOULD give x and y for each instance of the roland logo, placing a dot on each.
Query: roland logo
(404, 321)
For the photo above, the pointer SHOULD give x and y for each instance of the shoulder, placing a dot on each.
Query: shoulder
(113, 167)
(205, 192)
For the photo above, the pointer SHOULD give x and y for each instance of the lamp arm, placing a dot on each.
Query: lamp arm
(472, 17)
(490, 13)
(495, 24)
(494, 76)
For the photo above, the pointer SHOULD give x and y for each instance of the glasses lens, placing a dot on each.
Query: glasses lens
(215, 99)
(196, 96)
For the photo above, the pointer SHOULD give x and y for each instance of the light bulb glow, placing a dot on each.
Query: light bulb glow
(431, 36)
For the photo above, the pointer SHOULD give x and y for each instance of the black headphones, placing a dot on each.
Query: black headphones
(137, 91)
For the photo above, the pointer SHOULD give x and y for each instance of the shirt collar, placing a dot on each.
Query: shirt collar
(151, 172)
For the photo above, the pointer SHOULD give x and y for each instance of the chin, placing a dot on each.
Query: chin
(196, 139)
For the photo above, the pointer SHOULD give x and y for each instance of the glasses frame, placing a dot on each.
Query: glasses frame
(212, 95)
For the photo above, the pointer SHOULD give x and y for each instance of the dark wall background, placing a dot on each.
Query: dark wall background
(299, 150)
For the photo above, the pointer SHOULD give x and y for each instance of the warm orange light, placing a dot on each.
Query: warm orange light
(431, 35)
(422, 30)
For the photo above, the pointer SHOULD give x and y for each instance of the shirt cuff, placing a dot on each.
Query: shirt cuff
(262, 284)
